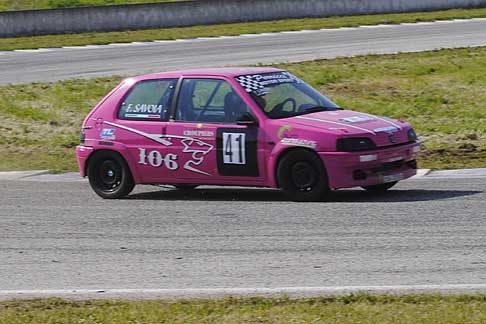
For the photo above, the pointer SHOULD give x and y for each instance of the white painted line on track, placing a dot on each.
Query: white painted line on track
(94, 46)
(78, 47)
(228, 37)
(143, 43)
(71, 47)
(241, 292)
(420, 173)
(445, 21)
(373, 26)
(163, 41)
(458, 174)
(293, 32)
(421, 23)
(16, 175)
(345, 28)
(120, 44)
(36, 50)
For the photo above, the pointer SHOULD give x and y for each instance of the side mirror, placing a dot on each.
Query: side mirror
(247, 119)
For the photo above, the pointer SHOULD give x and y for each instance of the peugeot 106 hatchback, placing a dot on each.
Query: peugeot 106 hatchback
(260, 127)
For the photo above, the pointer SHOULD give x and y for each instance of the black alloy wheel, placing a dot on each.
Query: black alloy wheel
(109, 175)
(302, 176)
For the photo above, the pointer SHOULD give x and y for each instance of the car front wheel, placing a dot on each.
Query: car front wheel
(109, 175)
(302, 176)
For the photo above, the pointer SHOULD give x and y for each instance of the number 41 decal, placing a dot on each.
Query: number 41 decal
(234, 148)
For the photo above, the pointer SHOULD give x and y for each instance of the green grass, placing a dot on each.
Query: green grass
(440, 92)
(41, 122)
(49, 4)
(231, 29)
(354, 309)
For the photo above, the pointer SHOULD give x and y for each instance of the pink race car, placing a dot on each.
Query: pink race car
(260, 127)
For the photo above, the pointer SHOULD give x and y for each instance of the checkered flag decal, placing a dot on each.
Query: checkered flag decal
(249, 84)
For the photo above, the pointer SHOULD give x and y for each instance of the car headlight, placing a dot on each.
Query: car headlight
(354, 144)
(412, 136)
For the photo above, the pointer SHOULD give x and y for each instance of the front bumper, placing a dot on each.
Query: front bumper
(357, 169)
(82, 154)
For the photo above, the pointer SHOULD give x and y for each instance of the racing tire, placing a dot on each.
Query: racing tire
(302, 176)
(382, 187)
(185, 187)
(109, 175)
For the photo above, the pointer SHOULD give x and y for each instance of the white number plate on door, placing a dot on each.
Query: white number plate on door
(234, 148)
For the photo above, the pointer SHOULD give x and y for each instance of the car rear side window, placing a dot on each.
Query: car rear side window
(148, 100)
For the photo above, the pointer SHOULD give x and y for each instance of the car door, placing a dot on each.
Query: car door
(211, 146)
(140, 126)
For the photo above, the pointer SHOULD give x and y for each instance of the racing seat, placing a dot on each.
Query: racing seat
(234, 108)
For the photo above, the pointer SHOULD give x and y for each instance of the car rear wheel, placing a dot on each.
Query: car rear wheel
(382, 187)
(302, 176)
(109, 175)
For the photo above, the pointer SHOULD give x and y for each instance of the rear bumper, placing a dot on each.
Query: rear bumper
(356, 169)
(82, 154)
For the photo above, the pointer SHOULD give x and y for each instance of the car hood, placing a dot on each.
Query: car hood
(346, 123)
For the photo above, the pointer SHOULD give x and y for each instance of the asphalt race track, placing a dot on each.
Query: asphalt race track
(60, 235)
(427, 232)
(136, 58)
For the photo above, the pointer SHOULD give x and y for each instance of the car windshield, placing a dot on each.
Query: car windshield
(283, 95)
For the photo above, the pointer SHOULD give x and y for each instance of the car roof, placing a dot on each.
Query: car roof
(217, 72)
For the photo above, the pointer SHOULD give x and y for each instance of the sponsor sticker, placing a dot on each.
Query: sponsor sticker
(144, 109)
(388, 129)
(107, 134)
(198, 133)
(356, 119)
(284, 129)
(259, 83)
(198, 150)
(142, 116)
(299, 142)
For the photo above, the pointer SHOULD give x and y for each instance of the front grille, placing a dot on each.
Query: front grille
(396, 145)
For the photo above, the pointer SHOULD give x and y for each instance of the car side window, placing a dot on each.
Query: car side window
(148, 100)
(209, 101)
